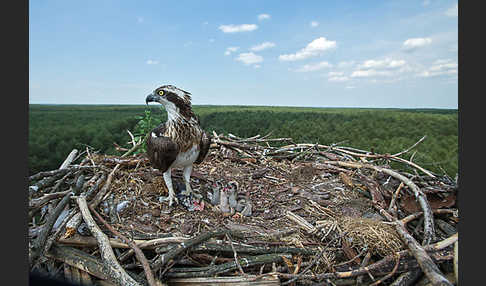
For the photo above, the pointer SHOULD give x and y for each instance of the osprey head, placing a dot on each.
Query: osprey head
(174, 99)
(169, 93)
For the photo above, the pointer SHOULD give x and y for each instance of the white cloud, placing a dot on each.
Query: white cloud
(238, 28)
(257, 66)
(350, 87)
(440, 67)
(385, 63)
(230, 50)
(443, 61)
(346, 64)
(338, 78)
(249, 58)
(430, 73)
(262, 17)
(334, 73)
(314, 24)
(314, 67)
(370, 73)
(314, 48)
(414, 43)
(262, 46)
(152, 62)
(453, 11)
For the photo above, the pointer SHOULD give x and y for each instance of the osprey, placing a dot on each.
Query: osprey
(180, 141)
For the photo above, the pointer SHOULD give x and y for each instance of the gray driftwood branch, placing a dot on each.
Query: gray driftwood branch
(115, 272)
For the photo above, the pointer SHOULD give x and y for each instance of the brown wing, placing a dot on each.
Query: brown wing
(203, 147)
(161, 150)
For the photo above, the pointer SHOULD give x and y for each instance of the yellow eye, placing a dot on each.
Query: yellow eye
(161, 92)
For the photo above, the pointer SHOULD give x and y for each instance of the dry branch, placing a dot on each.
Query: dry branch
(138, 253)
(407, 278)
(382, 267)
(79, 259)
(429, 229)
(69, 159)
(178, 249)
(426, 264)
(39, 243)
(284, 185)
(225, 267)
(44, 174)
(115, 272)
(252, 250)
(75, 221)
(227, 281)
(88, 241)
(39, 202)
(135, 147)
(300, 221)
(410, 148)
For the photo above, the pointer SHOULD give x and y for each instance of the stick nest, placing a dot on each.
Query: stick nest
(301, 198)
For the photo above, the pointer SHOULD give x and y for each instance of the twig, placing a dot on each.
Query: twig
(235, 255)
(379, 266)
(253, 250)
(456, 261)
(73, 224)
(43, 174)
(389, 274)
(79, 259)
(429, 229)
(138, 253)
(57, 233)
(133, 138)
(425, 262)
(89, 156)
(178, 249)
(135, 147)
(69, 159)
(47, 181)
(410, 148)
(301, 222)
(59, 183)
(115, 272)
(39, 202)
(407, 278)
(413, 216)
(377, 156)
(394, 197)
(95, 187)
(88, 241)
(314, 261)
(39, 243)
(225, 267)
(364, 263)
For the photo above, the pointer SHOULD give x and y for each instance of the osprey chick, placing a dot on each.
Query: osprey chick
(180, 141)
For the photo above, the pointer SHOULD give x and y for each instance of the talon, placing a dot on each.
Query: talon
(170, 199)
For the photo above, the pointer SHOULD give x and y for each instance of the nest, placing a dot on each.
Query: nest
(376, 236)
(307, 205)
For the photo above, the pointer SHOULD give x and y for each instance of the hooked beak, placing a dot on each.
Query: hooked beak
(151, 98)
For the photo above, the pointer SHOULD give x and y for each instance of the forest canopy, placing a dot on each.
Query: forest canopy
(54, 130)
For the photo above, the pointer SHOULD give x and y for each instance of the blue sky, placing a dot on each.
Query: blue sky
(281, 53)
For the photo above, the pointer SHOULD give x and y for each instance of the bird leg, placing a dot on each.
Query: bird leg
(187, 180)
(168, 183)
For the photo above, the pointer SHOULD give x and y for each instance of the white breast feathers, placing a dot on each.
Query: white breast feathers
(186, 158)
